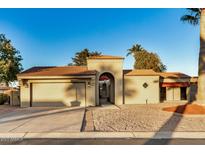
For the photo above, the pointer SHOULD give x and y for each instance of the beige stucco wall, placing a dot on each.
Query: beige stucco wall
(90, 92)
(135, 93)
(24, 95)
(113, 66)
(59, 92)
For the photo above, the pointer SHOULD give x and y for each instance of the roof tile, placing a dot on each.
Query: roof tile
(141, 72)
(150, 72)
(173, 75)
(57, 71)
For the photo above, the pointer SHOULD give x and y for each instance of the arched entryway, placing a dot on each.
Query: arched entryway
(106, 89)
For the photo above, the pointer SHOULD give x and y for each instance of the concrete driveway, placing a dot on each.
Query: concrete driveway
(41, 119)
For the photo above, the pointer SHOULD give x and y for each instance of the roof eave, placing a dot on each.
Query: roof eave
(55, 77)
(142, 75)
(106, 58)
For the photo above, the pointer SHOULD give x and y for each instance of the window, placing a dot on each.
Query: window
(183, 93)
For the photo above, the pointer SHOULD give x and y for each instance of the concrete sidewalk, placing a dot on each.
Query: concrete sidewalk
(105, 135)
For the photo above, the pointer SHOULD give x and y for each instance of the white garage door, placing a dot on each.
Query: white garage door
(58, 94)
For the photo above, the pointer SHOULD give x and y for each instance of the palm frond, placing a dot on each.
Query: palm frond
(192, 16)
(129, 52)
(194, 10)
(194, 20)
(135, 48)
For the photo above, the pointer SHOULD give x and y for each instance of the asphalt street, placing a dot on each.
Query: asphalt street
(103, 142)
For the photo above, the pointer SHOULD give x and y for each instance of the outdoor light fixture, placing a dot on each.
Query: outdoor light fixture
(25, 83)
(89, 83)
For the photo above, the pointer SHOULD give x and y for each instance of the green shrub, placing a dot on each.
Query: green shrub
(3, 98)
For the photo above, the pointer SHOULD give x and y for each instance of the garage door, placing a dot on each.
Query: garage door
(58, 94)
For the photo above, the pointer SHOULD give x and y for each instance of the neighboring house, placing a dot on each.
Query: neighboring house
(13, 93)
(3, 88)
(103, 80)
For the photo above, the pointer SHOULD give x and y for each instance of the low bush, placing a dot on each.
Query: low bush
(3, 98)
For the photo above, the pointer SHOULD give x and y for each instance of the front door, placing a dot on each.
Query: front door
(106, 89)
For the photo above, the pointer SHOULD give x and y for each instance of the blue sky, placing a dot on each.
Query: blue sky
(52, 36)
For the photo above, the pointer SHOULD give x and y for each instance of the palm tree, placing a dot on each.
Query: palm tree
(194, 17)
(80, 58)
(135, 48)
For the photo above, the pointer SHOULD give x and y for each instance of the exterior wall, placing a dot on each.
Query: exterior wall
(90, 92)
(113, 66)
(135, 93)
(84, 87)
(24, 95)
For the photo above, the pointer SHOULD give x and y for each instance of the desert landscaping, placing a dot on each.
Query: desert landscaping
(142, 118)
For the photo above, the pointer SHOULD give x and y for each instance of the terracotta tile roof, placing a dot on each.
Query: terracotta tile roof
(173, 75)
(150, 72)
(141, 72)
(4, 88)
(58, 71)
(105, 57)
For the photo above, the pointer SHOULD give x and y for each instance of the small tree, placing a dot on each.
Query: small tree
(10, 59)
(145, 59)
(80, 58)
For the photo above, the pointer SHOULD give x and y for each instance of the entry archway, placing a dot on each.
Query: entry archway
(106, 88)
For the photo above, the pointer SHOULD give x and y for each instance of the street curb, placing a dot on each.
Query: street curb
(107, 135)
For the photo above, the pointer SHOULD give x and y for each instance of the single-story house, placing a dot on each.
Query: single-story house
(3, 88)
(103, 80)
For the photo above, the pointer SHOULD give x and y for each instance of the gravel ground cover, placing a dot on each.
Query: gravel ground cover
(144, 118)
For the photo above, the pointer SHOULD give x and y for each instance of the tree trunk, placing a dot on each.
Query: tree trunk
(201, 65)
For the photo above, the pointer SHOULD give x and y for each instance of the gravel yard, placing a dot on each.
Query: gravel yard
(143, 118)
